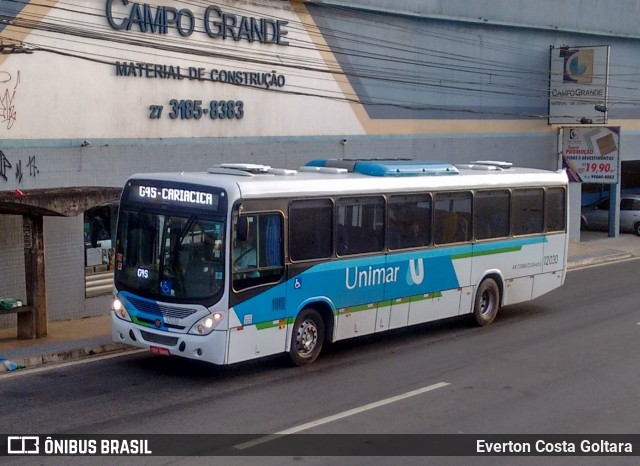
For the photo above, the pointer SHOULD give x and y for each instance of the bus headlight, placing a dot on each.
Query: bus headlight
(206, 325)
(118, 308)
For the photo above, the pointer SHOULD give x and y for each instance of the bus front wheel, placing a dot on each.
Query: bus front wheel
(307, 337)
(487, 302)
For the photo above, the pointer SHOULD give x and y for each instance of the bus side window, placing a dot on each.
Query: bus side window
(409, 222)
(310, 229)
(491, 214)
(527, 207)
(452, 219)
(258, 259)
(360, 224)
(554, 209)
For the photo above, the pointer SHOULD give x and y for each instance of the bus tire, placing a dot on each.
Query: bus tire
(307, 337)
(487, 302)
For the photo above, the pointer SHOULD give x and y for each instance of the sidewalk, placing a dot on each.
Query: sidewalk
(91, 336)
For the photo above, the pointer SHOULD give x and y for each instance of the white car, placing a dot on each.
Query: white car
(596, 216)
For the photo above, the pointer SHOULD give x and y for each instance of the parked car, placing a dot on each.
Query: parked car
(596, 216)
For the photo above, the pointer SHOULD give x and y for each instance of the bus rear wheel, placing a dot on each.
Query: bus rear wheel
(487, 302)
(307, 337)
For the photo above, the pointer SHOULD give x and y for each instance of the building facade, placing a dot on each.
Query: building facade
(94, 91)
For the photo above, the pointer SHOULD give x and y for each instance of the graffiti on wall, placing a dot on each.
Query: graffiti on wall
(8, 89)
(16, 169)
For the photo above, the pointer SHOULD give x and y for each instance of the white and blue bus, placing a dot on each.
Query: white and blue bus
(245, 261)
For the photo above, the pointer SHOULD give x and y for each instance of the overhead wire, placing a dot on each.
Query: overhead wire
(383, 74)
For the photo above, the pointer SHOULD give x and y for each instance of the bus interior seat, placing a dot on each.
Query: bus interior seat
(446, 226)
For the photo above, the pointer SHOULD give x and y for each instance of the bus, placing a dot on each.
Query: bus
(244, 260)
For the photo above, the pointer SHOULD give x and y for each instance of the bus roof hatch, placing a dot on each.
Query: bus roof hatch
(391, 167)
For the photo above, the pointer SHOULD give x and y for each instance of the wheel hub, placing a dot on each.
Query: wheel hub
(307, 337)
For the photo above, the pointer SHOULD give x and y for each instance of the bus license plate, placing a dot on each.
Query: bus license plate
(160, 351)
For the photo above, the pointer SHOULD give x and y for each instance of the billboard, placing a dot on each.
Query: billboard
(591, 154)
(578, 82)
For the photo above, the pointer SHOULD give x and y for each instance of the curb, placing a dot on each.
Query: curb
(30, 362)
(579, 263)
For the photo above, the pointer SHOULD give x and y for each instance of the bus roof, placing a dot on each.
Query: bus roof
(344, 177)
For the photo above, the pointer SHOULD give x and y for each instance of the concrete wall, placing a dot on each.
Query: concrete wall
(606, 17)
(109, 163)
(64, 267)
(12, 284)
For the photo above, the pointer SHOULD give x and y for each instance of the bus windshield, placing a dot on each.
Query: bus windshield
(170, 256)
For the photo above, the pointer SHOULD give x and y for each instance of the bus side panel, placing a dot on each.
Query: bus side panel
(545, 283)
(257, 324)
(399, 313)
(517, 261)
(357, 286)
(466, 300)
(555, 253)
(463, 264)
(255, 340)
(356, 321)
(383, 316)
(434, 306)
(553, 265)
(525, 264)
(353, 287)
(427, 285)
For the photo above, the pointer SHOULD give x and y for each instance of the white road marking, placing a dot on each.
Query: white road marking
(49, 367)
(342, 415)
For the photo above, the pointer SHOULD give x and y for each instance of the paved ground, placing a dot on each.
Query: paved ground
(76, 339)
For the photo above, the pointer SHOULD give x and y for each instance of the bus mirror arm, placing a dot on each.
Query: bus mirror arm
(242, 228)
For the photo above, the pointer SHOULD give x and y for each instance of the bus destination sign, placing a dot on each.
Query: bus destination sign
(147, 193)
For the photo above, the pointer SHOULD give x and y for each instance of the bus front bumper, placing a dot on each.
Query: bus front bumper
(210, 348)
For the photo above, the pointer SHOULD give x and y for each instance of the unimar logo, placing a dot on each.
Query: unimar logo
(578, 65)
(415, 274)
(362, 277)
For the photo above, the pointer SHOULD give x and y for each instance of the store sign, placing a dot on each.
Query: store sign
(591, 154)
(578, 85)
(124, 15)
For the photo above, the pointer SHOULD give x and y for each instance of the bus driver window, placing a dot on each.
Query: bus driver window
(245, 255)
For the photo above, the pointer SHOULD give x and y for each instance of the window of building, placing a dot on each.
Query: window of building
(310, 229)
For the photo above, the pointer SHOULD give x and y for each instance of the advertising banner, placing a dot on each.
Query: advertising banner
(591, 154)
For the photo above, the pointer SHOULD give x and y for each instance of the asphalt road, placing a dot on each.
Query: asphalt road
(564, 363)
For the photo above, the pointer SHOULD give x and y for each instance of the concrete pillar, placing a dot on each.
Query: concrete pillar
(34, 324)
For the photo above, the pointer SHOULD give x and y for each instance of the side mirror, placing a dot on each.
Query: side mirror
(242, 228)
